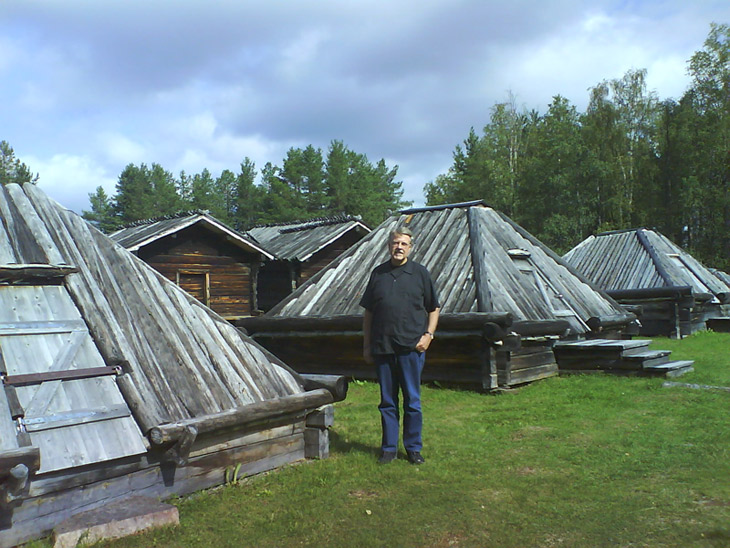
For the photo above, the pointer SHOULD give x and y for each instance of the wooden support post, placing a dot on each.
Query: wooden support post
(30, 456)
(180, 451)
(323, 417)
(14, 485)
(316, 434)
(677, 325)
(488, 366)
(16, 466)
(316, 443)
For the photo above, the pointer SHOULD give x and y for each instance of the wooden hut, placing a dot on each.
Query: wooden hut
(506, 299)
(641, 268)
(209, 260)
(302, 249)
(116, 382)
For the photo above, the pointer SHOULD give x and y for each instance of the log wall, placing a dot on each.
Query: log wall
(215, 272)
(274, 283)
(56, 497)
(322, 258)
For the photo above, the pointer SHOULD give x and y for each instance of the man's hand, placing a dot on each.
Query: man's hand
(367, 355)
(424, 343)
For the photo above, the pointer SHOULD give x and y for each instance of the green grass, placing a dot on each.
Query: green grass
(578, 461)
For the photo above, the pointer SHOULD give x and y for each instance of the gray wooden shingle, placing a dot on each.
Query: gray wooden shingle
(538, 287)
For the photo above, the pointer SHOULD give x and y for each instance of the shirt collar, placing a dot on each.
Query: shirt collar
(406, 268)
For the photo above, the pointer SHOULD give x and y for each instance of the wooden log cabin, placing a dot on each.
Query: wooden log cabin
(673, 292)
(214, 263)
(302, 249)
(114, 382)
(506, 298)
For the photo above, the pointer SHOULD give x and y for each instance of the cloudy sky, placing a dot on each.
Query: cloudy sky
(89, 86)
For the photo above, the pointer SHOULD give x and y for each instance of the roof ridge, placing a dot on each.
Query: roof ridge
(442, 206)
(304, 224)
(176, 215)
(622, 231)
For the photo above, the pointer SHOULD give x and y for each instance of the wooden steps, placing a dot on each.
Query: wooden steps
(617, 356)
(672, 369)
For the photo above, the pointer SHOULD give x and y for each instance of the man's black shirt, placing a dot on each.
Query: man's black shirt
(399, 298)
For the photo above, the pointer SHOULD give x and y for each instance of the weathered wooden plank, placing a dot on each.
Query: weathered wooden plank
(8, 437)
(49, 378)
(18, 233)
(78, 416)
(17, 272)
(107, 326)
(479, 258)
(37, 229)
(7, 253)
(36, 517)
(167, 433)
(40, 327)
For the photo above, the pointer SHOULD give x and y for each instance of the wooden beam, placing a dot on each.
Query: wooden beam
(179, 453)
(75, 417)
(479, 257)
(41, 327)
(538, 328)
(18, 272)
(247, 414)
(16, 410)
(336, 384)
(69, 374)
(277, 324)
(596, 323)
(30, 456)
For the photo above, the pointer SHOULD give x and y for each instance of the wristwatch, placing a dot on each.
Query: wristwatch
(429, 334)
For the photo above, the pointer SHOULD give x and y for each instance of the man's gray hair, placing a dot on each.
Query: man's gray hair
(401, 231)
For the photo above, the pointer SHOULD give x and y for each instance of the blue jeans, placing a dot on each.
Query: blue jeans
(400, 372)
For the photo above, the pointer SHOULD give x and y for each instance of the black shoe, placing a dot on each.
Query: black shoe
(415, 457)
(387, 457)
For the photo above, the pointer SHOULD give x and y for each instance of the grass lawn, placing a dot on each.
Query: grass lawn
(576, 461)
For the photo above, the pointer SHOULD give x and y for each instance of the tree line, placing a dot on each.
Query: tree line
(630, 160)
(309, 184)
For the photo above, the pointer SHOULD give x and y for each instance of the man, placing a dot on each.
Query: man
(401, 314)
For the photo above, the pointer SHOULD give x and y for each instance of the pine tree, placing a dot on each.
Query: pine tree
(12, 170)
(102, 214)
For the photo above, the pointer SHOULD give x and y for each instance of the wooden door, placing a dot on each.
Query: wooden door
(196, 283)
(70, 406)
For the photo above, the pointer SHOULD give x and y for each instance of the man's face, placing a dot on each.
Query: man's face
(400, 248)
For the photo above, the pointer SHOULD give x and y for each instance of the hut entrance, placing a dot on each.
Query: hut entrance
(61, 395)
(555, 303)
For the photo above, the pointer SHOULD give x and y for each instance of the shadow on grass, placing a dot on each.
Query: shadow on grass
(341, 445)
(717, 534)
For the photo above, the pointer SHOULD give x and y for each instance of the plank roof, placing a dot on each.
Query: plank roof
(641, 259)
(480, 261)
(178, 358)
(143, 233)
(301, 239)
(724, 276)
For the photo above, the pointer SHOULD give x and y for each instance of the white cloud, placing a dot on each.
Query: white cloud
(70, 179)
(119, 149)
(96, 87)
